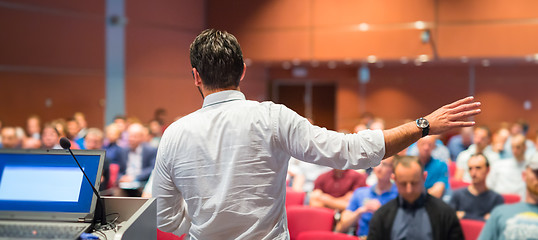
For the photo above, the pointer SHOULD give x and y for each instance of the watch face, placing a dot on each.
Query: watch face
(422, 123)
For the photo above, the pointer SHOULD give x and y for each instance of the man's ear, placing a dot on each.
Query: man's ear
(425, 175)
(196, 76)
(393, 177)
(244, 71)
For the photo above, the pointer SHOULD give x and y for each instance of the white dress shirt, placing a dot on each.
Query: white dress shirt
(221, 170)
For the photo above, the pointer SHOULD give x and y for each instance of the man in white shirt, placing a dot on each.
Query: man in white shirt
(481, 145)
(505, 175)
(221, 170)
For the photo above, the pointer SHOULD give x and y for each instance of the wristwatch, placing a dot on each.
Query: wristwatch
(423, 124)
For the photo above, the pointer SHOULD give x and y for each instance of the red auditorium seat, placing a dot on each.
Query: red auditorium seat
(323, 235)
(306, 218)
(471, 228)
(511, 198)
(113, 170)
(455, 184)
(168, 236)
(294, 198)
(451, 169)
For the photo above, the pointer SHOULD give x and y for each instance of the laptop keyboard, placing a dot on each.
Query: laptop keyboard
(41, 231)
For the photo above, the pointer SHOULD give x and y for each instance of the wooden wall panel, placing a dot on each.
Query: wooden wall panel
(23, 94)
(158, 70)
(478, 10)
(350, 12)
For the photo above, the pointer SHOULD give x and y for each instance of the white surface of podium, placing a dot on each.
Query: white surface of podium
(137, 218)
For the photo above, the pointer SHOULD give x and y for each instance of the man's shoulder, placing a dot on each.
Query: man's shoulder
(439, 205)
(460, 193)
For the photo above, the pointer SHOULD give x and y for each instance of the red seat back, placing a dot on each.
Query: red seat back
(471, 228)
(323, 235)
(455, 184)
(511, 198)
(451, 169)
(306, 218)
(113, 170)
(294, 198)
(168, 236)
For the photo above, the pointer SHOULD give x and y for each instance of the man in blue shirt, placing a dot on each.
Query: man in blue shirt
(437, 181)
(520, 220)
(366, 200)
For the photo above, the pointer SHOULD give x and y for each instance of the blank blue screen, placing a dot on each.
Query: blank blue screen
(46, 182)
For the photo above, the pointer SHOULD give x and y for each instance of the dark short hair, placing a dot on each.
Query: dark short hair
(217, 57)
(480, 154)
(406, 162)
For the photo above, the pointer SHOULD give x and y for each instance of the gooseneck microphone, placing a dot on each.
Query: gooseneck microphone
(100, 213)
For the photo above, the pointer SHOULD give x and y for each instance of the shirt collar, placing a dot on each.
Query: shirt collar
(222, 97)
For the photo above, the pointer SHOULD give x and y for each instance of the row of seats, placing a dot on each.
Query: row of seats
(311, 223)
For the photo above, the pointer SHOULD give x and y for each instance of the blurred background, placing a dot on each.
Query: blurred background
(331, 61)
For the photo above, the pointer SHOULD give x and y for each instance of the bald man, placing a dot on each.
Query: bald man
(136, 161)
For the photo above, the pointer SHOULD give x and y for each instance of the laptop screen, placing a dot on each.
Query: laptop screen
(48, 180)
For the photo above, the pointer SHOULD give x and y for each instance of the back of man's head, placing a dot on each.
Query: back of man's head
(218, 59)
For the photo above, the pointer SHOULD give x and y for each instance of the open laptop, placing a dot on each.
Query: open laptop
(44, 195)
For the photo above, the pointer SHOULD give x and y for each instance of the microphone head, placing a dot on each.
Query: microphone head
(65, 143)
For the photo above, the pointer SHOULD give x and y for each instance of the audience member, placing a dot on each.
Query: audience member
(121, 124)
(437, 181)
(159, 115)
(50, 138)
(519, 128)
(73, 128)
(136, 162)
(113, 151)
(366, 200)
(481, 139)
(460, 142)
(499, 139)
(82, 123)
(334, 188)
(377, 124)
(155, 133)
(33, 127)
(61, 127)
(414, 214)
(476, 201)
(94, 141)
(31, 143)
(517, 221)
(505, 175)
(10, 139)
(439, 151)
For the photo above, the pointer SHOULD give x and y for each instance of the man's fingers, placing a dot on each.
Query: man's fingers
(463, 115)
(466, 107)
(462, 124)
(460, 102)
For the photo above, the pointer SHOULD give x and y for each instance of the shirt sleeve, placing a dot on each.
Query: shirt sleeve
(171, 207)
(304, 141)
(355, 202)
(454, 200)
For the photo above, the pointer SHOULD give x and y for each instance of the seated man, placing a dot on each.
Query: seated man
(94, 141)
(333, 189)
(476, 201)
(505, 175)
(482, 140)
(10, 138)
(437, 181)
(414, 214)
(136, 162)
(366, 200)
(517, 221)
